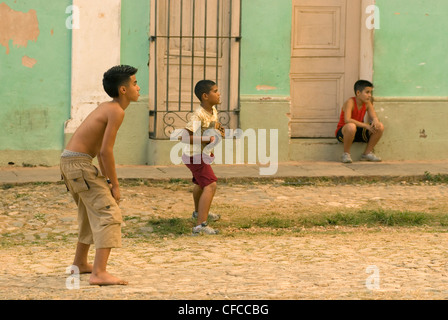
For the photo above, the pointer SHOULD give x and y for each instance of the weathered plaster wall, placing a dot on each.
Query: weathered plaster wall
(415, 128)
(47, 81)
(411, 86)
(131, 146)
(95, 48)
(266, 47)
(265, 65)
(35, 76)
(135, 39)
(410, 51)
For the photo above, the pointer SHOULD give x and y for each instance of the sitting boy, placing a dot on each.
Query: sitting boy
(352, 128)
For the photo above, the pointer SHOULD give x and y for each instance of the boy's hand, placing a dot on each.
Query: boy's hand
(220, 129)
(374, 125)
(115, 190)
(372, 128)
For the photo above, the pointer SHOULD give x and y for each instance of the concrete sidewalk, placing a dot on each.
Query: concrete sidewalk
(287, 169)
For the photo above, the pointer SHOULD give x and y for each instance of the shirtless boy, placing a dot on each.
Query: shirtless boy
(97, 192)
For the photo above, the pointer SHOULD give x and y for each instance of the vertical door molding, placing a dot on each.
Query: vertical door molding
(366, 47)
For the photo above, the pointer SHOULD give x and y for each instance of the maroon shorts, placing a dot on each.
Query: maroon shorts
(201, 169)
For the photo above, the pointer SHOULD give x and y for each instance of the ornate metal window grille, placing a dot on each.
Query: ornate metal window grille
(192, 40)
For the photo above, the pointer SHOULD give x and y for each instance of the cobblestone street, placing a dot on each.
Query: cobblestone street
(38, 234)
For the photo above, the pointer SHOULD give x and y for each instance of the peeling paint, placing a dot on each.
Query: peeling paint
(263, 87)
(20, 27)
(28, 62)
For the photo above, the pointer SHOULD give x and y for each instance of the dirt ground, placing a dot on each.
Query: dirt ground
(245, 261)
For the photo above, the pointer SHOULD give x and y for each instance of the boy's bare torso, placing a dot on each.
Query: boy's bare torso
(88, 138)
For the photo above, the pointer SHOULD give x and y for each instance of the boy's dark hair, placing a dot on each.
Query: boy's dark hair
(116, 77)
(362, 84)
(203, 86)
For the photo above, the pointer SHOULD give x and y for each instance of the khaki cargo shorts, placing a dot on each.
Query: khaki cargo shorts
(99, 217)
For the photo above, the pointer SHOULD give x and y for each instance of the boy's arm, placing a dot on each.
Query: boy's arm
(106, 154)
(372, 115)
(100, 162)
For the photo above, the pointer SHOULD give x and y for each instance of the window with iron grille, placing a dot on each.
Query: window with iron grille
(192, 40)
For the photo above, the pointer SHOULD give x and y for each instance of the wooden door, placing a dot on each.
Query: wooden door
(324, 63)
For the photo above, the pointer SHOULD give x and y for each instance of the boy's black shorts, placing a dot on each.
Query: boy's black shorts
(361, 135)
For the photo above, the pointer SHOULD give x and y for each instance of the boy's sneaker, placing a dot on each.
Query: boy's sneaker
(203, 228)
(346, 158)
(370, 157)
(211, 216)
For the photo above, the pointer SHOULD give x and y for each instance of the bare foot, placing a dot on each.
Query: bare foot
(106, 279)
(85, 268)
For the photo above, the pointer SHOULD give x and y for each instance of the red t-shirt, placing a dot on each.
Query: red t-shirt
(357, 114)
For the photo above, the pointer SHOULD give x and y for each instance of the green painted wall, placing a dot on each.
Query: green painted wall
(131, 146)
(411, 132)
(35, 102)
(409, 52)
(134, 38)
(265, 46)
(409, 61)
(410, 79)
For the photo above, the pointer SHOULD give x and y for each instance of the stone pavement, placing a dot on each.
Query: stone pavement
(285, 169)
(38, 231)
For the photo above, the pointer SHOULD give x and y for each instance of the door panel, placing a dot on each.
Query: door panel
(324, 63)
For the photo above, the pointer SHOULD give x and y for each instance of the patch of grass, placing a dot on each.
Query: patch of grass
(22, 195)
(179, 181)
(270, 221)
(28, 165)
(438, 178)
(41, 183)
(444, 220)
(170, 226)
(379, 217)
(274, 222)
(352, 218)
(7, 186)
(40, 217)
(132, 218)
